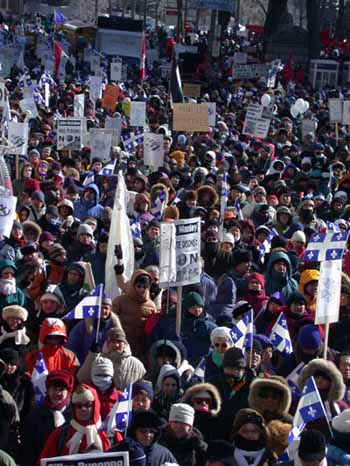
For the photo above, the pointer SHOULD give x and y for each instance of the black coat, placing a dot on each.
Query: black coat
(21, 388)
(36, 429)
(190, 451)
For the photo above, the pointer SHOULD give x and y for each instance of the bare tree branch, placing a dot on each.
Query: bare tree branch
(262, 6)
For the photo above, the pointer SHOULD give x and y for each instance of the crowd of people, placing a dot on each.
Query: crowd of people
(278, 192)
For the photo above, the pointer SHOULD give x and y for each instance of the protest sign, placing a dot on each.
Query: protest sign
(110, 97)
(211, 113)
(188, 240)
(138, 114)
(335, 107)
(253, 71)
(69, 133)
(95, 63)
(115, 124)
(7, 214)
(190, 117)
(89, 459)
(153, 149)
(328, 294)
(308, 126)
(18, 137)
(346, 112)
(191, 90)
(167, 264)
(28, 105)
(257, 120)
(240, 58)
(116, 71)
(95, 87)
(79, 104)
(101, 143)
(3, 95)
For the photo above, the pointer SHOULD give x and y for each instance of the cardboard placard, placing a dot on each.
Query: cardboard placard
(190, 117)
(191, 90)
(110, 97)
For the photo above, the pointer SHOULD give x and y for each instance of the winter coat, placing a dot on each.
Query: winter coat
(83, 209)
(133, 311)
(164, 328)
(195, 334)
(209, 291)
(206, 422)
(274, 281)
(6, 460)
(73, 294)
(16, 298)
(211, 369)
(127, 368)
(77, 251)
(83, 335)
(189, 451)
(22, 391)
(33, 440)
(98, 265)
(338, 451)
(107, 400)
(9, 423)
(306, 277)
(153, 372)
(56, 358)
(157, 455)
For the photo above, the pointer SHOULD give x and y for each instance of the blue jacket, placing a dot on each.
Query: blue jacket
(195, 334)
(209, 291)
(274, 281)
(225, 299)
(83, 209)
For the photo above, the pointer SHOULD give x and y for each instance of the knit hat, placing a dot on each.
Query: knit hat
(221, 332)
(234, 358)
(53, 293)
(102, 366)
(340, 423)
(106, 300)
(241, 255)
(60, 377)
(14, 311)
(116, 334)
(297, 297)
(46, 236)
(145, 419)
(312, 446)
(142, 385)
(228, 238)
(39, 196)
(309, 337)
(82, 394)
(85, 229)
(55, 250)
(193, 299)
(29, 248)
(299, 236)
(181, 412)
(9, 356)
(264, 340)
(221, 451)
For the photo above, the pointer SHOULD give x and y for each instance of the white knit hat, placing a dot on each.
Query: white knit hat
(181, 412)
(102, 366)
(299, 236)
(221, 332)
(341, 423)
(228, 238)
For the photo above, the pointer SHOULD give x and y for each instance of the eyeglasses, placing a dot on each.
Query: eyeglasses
(220, 345)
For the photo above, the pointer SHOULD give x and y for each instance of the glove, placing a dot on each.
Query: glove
(95, 347)
(240, 308)
(119, 269)
(118, 251)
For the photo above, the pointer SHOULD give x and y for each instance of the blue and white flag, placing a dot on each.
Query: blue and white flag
(89, 307)
(237, 204)
(59, 17)
(89, 178)
(120, 415)
(199, 372)
(326, 246)
(292, 380)
(135, 226)
(310, 406)
(265, 247)
(46, 78)
(332, 227)
(294, 435)
(157, 206)
(280, 337)
(132, 139)
(108, 169)
(39, 375)
(242, 332)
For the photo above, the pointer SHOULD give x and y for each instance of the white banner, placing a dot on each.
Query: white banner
(106, 458)
(188, 245)
(95, 87)
(335, 107)
(328, 292)
(167, 264)
(28, 105)
(153, 148)
(3, 96)
(101, 143)
(346, 112)
(138, 114)
(69, 133)
(257, 120)
(7, 214)
(79, 106)
(116, 71)
(115, 124)
(18, 137)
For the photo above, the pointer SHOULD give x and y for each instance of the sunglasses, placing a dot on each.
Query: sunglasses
(220, 345)
(273, 395)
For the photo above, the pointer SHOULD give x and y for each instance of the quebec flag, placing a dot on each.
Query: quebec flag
(242, 332)
(310, 406)
(292, 380)
(199, 372)
(39, 375)
(108, 169)
(120, 415)
(158, 205)
(89, 307)
(280, 337)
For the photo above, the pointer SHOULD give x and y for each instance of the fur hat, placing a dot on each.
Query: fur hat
(274, 382)
(248, 415)
(171, 212)
(181, 412)
(195, 391)
(202, 192)
(14, 311)
(32, 226)
(337, 388)
(82, 394)
(279, 433)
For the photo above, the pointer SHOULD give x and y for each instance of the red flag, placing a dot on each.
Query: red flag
(57, 57)
(143, 59)
(287, 73)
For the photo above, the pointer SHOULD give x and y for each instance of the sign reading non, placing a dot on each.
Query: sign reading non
(335, 107)
(89, 459)
(69, 133)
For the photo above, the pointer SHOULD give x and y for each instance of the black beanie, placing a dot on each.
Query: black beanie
(234, 358)
(9, 356)
(221, 451)
(312, 445)
(241, 255)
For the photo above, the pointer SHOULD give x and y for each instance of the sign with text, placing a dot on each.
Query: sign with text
(257, 120)
(89, 459)
(241, 71)
(18, 137)
(335, 107)
(191, 90)
(188, 243)
(101, 143)
(69, 133)
(153, 149)
(138, 114)
(190, 117)
(110, 97)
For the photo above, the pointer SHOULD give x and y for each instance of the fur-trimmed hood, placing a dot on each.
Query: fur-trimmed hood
(245, 416)
(207, 387)
(29, 225)
(213, 197)
(159, 187)
(276, 382)
(337, 388)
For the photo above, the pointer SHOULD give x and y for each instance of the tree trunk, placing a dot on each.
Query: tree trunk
(313, 27)
(340, 21)
(179, 32)
(275, 12)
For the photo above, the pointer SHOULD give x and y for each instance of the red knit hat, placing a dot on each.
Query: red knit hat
(258, 277)
(60, 377)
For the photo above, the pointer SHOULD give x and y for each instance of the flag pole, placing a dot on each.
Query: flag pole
(326, 336)
(178, 310)
(99, 311)
(251, 343)
(169, 265)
